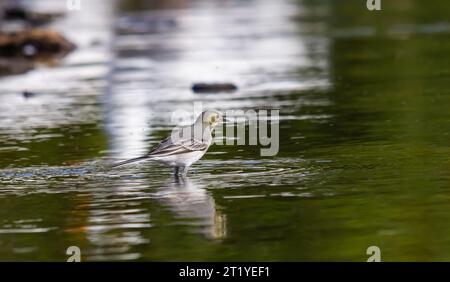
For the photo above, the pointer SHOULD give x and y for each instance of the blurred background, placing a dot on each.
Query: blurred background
(364, 130)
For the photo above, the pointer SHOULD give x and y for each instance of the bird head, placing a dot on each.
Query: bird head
(210, 118)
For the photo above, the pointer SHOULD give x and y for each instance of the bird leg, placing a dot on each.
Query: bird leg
(180, 170)
(184, 170)
(180, 179)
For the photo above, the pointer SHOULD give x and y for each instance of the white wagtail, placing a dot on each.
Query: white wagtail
(185, 146)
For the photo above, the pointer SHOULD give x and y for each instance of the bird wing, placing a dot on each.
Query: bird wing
(168, 147)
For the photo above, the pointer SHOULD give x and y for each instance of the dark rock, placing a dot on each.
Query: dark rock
(28, 94)
(19, 51)
(40, 43)
(213, 87)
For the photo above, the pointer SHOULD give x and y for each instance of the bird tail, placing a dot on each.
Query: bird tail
(130, 161)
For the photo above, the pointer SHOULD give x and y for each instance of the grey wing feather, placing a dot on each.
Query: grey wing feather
(168, 147)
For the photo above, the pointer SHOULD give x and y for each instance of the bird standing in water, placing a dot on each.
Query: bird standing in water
(185, 146)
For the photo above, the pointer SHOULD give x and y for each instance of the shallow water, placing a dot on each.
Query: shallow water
(364, 135)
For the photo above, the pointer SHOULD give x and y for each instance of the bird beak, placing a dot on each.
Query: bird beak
(227, 120)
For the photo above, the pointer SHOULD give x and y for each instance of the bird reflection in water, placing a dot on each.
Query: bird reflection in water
(188, 199)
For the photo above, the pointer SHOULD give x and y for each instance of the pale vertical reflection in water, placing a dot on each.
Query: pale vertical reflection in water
(115, 220)
(127, 123)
